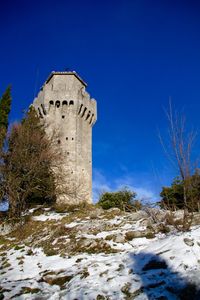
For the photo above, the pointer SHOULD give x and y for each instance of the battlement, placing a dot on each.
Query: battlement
(65, 73)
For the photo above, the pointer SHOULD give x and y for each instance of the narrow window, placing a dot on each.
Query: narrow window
(71, 102)
(59, 142)
(91, 119)
(72, 139)
(80, 109)
(64, 103)
(57, 104)
(51, 102)
(40, 114)
(84, 111)
(43, 109)
(88, 115)
(63, 117)
(66, 138)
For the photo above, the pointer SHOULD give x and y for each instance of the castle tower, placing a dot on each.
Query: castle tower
(67, 109)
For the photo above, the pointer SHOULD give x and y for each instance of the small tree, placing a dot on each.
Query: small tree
(5, 105)
(173, 196)
(27, 170)
(124, 200)
(179, 151)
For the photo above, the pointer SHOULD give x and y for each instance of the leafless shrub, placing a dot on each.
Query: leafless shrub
(179, 154)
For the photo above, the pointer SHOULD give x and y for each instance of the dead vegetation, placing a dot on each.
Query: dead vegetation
(55, 237)
(66, 236)
(82, 232)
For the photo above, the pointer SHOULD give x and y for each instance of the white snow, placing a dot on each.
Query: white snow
(49, 216)
(72, 224)
(108, 275)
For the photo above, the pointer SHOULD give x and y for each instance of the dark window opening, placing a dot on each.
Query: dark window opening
(63, 117)
(91, 119)
(66, 138)
(59, 141)
(64, 102)
(40, 114)
(43, 109)
(67, 153)
(88, 115)
(57, 104)
(84, 111)
(71, 102)
(51, 102)
(80, 109)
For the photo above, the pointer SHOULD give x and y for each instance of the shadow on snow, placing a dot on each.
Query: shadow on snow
(161, 282)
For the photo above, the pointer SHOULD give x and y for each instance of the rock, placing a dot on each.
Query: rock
(196, 219)
(100, 297)
(114, 209)
(144, 222)
(60, 281)
(109, 237)
(121, 267)
(86, 242)
(130, 235)
(188, 242)
(126, 288)
(119, 238)
(155, 215)
(95, 214)
(150, 235)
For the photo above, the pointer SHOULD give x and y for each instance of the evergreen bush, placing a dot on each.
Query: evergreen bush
(123, 199)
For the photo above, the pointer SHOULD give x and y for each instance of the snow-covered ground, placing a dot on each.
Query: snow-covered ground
(103, 258)
(49, 216)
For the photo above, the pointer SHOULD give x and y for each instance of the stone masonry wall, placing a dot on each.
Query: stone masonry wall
(69, 113)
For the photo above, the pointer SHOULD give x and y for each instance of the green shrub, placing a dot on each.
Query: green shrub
(123, 199)
(173, 197)
(27, 170)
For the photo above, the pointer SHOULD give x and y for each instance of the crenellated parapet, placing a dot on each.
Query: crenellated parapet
(87, 113)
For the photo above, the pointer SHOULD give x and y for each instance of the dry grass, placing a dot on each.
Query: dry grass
(63, 207)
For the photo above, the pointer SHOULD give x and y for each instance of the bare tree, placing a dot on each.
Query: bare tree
(179, 149)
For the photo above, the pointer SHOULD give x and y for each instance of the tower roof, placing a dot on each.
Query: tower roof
(66, 73)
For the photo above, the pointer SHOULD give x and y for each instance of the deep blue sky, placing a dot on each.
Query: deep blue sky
(133, 55)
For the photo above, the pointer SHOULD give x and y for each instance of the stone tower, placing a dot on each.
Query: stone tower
(67, 109)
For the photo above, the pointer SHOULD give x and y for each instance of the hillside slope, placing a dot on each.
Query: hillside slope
(93, 254)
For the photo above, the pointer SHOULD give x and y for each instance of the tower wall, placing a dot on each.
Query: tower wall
(69, 113)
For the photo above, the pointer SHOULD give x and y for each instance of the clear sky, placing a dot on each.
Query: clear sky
(133, 55)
